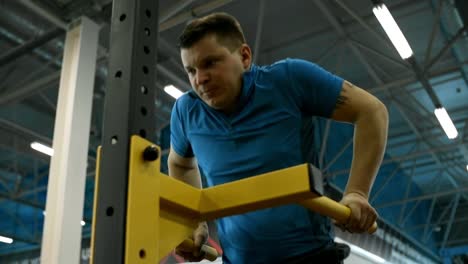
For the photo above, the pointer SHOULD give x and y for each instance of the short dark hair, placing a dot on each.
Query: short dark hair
(225, 27)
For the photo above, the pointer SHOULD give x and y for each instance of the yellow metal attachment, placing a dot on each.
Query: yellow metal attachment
(163, 212)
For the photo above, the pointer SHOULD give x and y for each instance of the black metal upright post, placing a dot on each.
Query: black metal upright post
(129, 110)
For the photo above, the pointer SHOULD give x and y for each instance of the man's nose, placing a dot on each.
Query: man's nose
(201, 77)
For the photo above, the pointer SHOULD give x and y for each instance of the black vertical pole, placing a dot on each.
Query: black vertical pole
(128, 110)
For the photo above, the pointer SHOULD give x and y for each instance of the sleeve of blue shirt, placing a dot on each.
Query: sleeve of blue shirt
(179, 141)
(315, 89)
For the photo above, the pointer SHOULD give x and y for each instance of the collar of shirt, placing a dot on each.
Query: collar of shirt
(248, 83)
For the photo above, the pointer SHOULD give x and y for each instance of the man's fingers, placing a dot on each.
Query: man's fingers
(192, 250)
(363, 222)
(371, 219)
(362, 216)
(354, 219)
(189, 256)
(180, 251)
(198, 241)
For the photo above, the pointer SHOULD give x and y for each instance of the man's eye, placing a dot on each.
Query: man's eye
(191, 71)
(211, 62)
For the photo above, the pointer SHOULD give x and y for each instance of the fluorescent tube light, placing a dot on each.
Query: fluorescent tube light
(466, 167)
(173, 91)
(6, 240)
(390, 26)
(446, 123)
(361, 252)
(42, 148)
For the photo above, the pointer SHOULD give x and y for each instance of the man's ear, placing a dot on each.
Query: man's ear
(246, 55)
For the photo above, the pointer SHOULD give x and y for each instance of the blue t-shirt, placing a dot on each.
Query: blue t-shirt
(263, 135)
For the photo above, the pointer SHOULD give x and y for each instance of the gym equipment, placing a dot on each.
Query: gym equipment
(162, 212)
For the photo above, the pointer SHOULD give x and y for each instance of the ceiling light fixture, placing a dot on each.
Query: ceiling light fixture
(173, 91)
(42, 148)
(392, 30)
(446, 122)
(6, 240)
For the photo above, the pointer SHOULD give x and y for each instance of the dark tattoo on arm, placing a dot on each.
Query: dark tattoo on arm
(342, 98)
(340, 101)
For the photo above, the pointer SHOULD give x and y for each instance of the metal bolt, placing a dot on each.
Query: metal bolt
(151, 153)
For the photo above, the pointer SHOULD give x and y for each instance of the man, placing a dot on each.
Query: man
(242, 120)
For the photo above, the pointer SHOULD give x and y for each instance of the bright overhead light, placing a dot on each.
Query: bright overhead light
(6, 240)
(466, 167)
(361, 252)
(390, 26)
(42, 148)
(446, 123)
(173, 91)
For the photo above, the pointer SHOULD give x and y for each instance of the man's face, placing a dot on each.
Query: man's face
(215, 72)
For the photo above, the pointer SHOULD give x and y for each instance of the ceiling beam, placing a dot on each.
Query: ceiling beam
(379, 54)
(343, 34)
(192, 13)
(258, 32)
(429, 217)
(408, 157)
(173, 10)
(404, 81)
(433, 130)
(446, 221)
(30, 89)
(441, 217)
(49, 16)
(449, 224)
(434, 31)
(451, 42)
(460, 190)
(29, 46)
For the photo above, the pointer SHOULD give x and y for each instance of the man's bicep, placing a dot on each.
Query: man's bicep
(175, 159)
(352, 102)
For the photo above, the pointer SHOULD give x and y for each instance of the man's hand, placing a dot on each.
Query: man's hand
(363, 215)
(199, 236)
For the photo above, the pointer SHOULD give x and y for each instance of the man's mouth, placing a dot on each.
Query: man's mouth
(210, 92)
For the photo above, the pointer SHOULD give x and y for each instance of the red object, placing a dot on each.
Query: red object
(213, 243)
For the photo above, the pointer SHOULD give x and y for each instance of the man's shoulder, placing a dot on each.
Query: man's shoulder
(186, 100)
(277, 65)
(277, 70)
(185, 104)
(286, 65)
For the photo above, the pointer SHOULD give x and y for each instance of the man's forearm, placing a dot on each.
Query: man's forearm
(370, 139)
(190, 176)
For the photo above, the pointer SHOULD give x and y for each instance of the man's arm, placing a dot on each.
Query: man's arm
(370, 117)
(184, 169)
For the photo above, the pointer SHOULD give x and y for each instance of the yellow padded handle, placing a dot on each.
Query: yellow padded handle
(328, 207)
